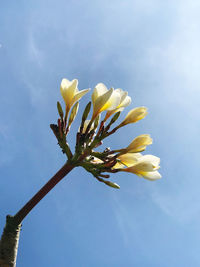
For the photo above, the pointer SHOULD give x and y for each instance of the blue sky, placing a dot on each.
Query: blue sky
(149, 48)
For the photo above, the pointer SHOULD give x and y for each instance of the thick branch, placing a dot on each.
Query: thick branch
(9, 243)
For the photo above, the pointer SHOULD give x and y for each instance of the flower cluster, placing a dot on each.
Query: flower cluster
(92, 132)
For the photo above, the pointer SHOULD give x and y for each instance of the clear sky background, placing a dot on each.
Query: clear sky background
(149, 48)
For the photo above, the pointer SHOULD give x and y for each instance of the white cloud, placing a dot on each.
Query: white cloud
(35, 53)
(181, 205)
(179, 58)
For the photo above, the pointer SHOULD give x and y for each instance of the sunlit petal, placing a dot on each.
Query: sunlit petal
(151, 175)
(134, 115)
(99, 90)
(101, 102)
(67, 90)
(113, 101)
(79, 95)
(139, 143)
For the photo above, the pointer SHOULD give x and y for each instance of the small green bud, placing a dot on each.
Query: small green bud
(85, 115)
(60, 111)
(73, 113)
(96, 122)
(86, 111)
(114, 118)
(111, 184)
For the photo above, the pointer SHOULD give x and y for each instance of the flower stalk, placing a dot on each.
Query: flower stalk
(87, 140)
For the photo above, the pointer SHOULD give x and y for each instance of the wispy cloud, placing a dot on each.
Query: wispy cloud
(36, 54)
(179, 57)
(182, 205)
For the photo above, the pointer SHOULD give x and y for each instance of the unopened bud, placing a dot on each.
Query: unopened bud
(85, 115)
(134, 115)
(60, 111)
(115, 117)
(73, 113)
(96, 122)
(86, 111)
(111, 184)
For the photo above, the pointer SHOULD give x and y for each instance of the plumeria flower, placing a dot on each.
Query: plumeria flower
(134, 115)
(145, 166)
(128, 159)
(70, 92)
(104, 99)
(139, 144)
(125, 100)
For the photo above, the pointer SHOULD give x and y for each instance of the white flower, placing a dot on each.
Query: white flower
(70, 92)
(127, 160)
(143, 166)
(104, 99)
(125, 100)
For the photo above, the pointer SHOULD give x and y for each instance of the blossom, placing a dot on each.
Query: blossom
(104, 99)
(139, 143)
(125, 100)
(145, 166)
(70, 92)
(134, 115)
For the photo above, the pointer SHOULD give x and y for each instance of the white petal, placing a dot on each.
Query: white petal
(68, 89)
(79, 95)
(99, 90)
(152, 175)
(126, 102)
(143, 166)
(113, 101)
(153, 159)
(66, 83)
(129, 159)
(101, 101)
(122, 93)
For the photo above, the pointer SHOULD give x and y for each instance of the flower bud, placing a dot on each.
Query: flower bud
(134, 115)
(73, 113)
(60, 111)
(84, 116)
(96, 121)
(139, 143)
(146, 167)
(111, 184)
